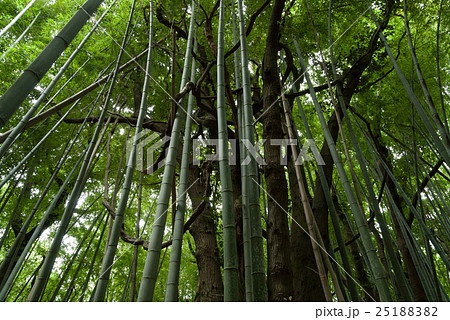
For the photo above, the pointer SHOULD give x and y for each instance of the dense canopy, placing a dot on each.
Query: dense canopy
(284, 150)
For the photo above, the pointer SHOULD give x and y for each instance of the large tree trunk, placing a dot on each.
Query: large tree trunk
(210, 285)
(279, 273)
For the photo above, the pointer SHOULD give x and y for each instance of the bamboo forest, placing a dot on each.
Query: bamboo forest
(224, 150)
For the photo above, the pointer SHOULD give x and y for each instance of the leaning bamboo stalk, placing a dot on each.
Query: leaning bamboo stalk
(173, 275)
(21, 88)
(60, 163)
(312, 232)
(13, 214)
(24, 193)
(36, 147)
(417, 216)
(20, 37)
(118, 220)
(150, 272)
(37, 232)
(13, 21)
(444, 148)
(22, 232)
(61, 105)
(437, 120)
(380, 278)
(373, 203)
(64, 276)
(257, 249)
(17, 130)
(333, 214)
(19, 127)
(438, 67)
(75, 194)
(404, 289)
(91, 267)
(134, 264)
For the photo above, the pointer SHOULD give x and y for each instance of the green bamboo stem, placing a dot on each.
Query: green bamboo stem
(20, 126)
(334, 217)
(13, 21)
(63, 277)
(412, 245)
(23, 230)
(33, 275)
(444, 149)
(36, 147)
(400, 276)
(377, 269)
(75, 194)
(434, 114)
(91, 267)
(257, 249)
(13, 215)
(150, 272)
(21, 88)
(312, 231)
(118, 220)
(228, 220)
(24, 193)
(134, 264)
(242, 156)
(413, 210)
(37, 232)
(438, 67)
(20, 37)
(173, 275)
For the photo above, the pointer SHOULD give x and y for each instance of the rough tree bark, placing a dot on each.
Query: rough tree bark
(210, 285)
(279, 273)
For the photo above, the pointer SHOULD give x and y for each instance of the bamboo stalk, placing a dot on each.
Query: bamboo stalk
(13, 21)
(437, 120)
(118, 220)
(20, 37)
(178, 230)
(21, 88)
(377, 269)
(150, 273)
(309, 215)
(20, 126)
(74, 196)
(37, 232)
(228, 220)
(257, 249)
(91, 267)
(242, 156)
(444, 148)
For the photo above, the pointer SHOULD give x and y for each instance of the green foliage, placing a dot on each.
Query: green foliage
(380, 112)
